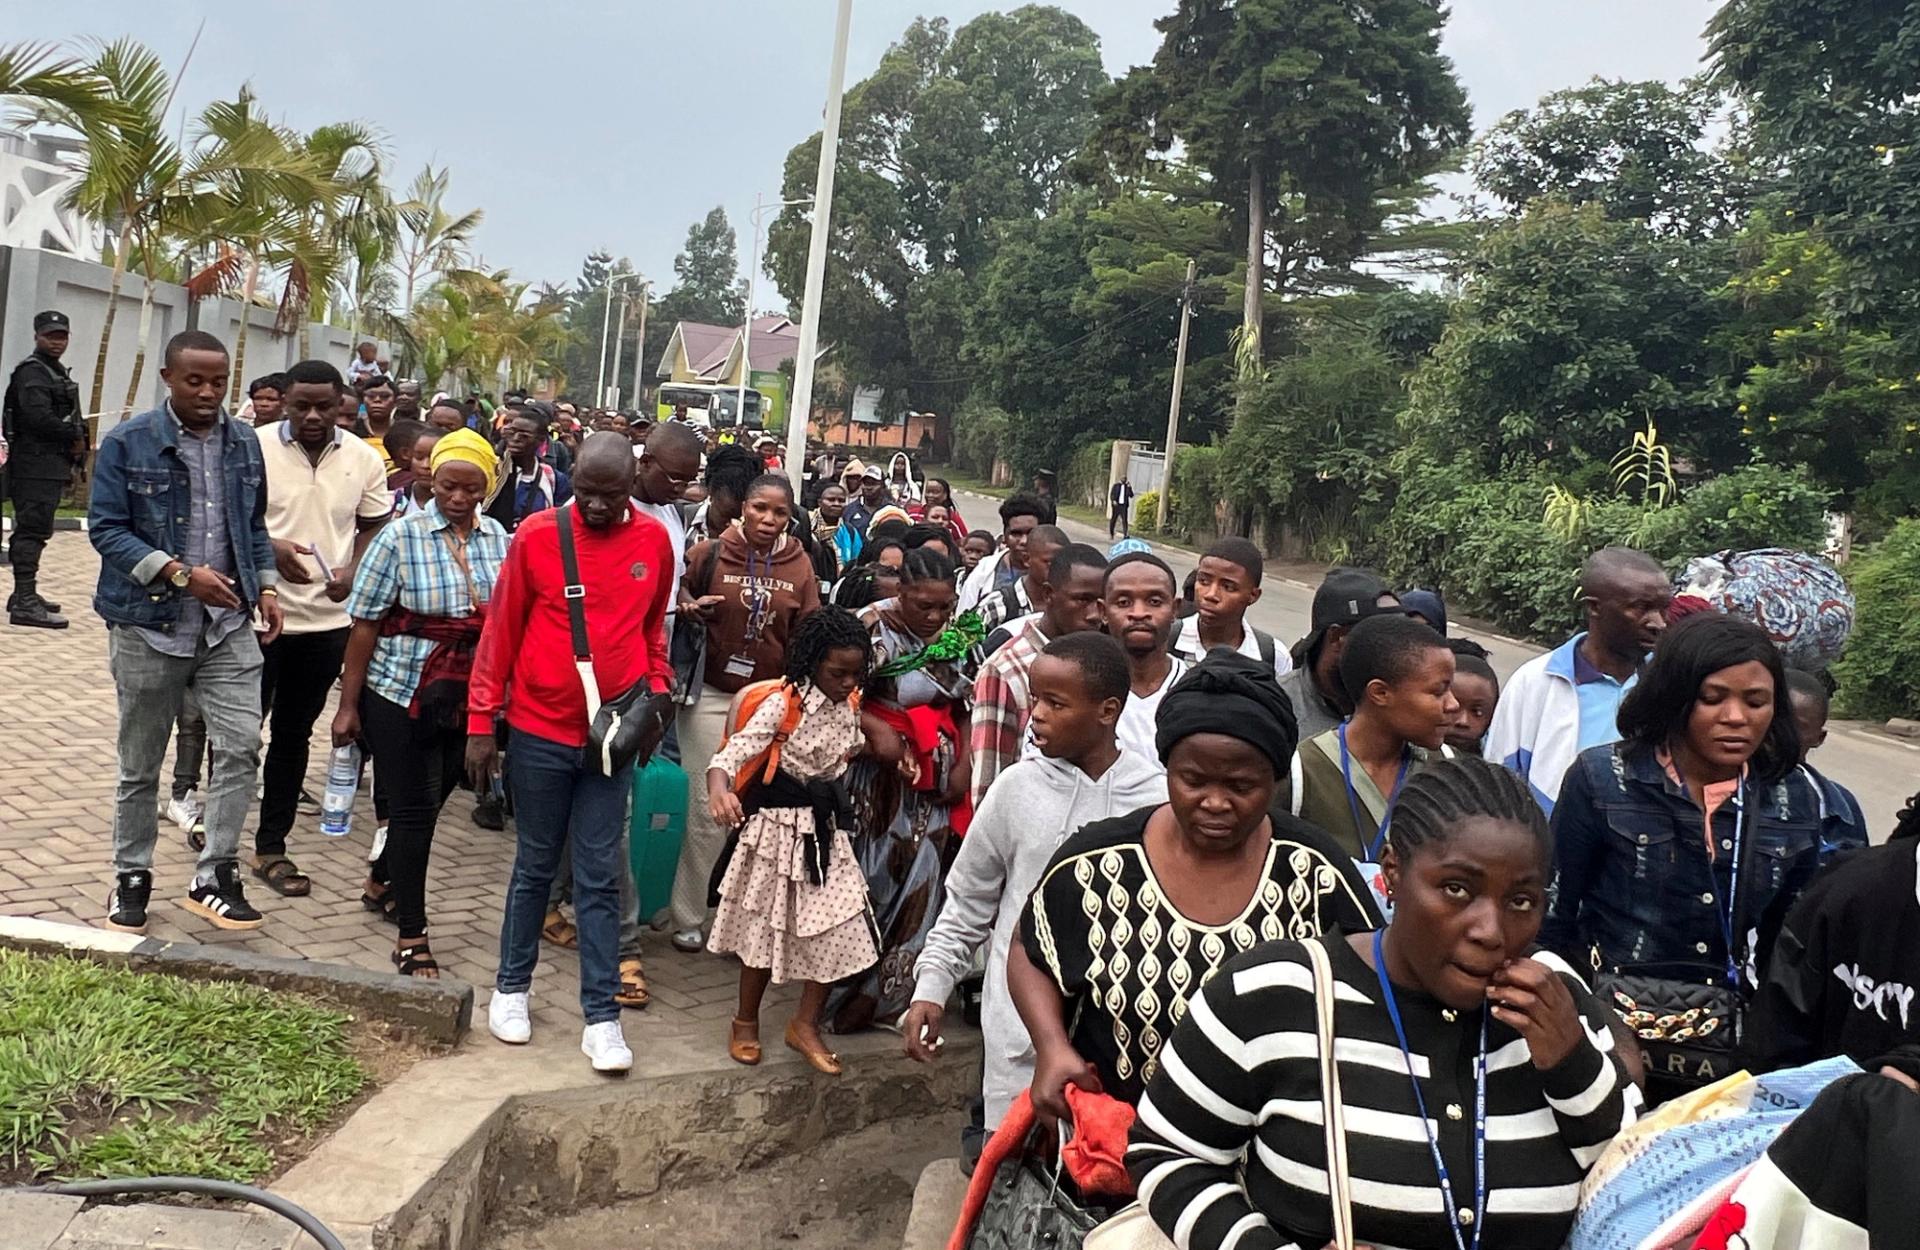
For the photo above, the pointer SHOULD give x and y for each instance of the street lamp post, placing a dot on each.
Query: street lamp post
(606, 327)
(802, 404)
(746, 324)
(640, 343)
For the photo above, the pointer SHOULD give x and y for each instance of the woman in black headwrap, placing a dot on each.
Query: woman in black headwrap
(1135, 913)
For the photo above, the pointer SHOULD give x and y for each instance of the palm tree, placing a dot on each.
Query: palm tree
(36, 79)
(434, 240)
(248, 217)
(149, 192)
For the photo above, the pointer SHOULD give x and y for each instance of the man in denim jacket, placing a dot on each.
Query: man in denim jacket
(178, 515)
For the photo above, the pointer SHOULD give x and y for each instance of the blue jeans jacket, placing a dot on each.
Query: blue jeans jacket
(137, 517)
(1632, 880)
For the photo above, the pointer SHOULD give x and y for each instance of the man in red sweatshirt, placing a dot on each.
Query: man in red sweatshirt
(524, 669)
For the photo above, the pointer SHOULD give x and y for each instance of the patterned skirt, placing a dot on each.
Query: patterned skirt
(773, 917)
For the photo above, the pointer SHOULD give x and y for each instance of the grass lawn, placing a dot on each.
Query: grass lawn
(106, 1072)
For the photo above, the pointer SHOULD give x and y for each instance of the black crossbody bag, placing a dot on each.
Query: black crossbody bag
(625, 730)
(1689, 1021)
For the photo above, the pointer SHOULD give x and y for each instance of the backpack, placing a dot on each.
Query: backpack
(746, 701)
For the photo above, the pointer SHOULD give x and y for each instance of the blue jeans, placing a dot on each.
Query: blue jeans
(557, 799)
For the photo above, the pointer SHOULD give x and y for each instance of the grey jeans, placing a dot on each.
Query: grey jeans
(151, 688)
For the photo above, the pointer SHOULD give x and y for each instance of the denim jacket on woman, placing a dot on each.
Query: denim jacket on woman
(1632, 880)
(137, 517)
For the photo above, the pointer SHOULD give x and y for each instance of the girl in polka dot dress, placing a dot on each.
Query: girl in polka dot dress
(793, 903)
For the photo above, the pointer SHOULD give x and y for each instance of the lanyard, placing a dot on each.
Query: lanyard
(1353, 798)
(758, 597)
(1456, 1216)
(1731, 912)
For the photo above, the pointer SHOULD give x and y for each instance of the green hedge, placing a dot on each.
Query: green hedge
(1880, 674)
(1196, 485)
(1084, 479)
(1485, 547)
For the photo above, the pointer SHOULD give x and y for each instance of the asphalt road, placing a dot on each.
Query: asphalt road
(1881, 771)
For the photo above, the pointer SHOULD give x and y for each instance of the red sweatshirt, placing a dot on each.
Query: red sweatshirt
(525, 660)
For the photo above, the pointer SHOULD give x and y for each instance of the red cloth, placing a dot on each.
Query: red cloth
(525, 661)
(923, 727)
(1094, 1156)
(1718, 1234)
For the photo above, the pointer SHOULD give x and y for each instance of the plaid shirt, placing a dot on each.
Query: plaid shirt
(408, 564)
(1002, 701)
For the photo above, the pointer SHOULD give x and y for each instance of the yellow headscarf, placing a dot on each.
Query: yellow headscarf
(467, 447)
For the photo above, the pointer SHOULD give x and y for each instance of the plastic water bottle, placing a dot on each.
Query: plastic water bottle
(343, 779)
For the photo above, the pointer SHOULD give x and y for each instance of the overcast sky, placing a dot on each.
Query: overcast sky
(579, 124)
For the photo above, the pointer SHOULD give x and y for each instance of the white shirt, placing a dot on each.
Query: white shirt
(1186, 644)
(669, 516)
(1138, 718)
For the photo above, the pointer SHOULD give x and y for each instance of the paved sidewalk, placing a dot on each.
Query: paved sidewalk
(57, 772)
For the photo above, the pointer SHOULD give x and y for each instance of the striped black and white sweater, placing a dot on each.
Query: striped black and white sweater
(1228, 1151)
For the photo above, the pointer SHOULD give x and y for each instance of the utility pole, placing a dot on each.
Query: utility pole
(606, 325)
(760, 209)
(802, 407)
(640, 347)
(613, 379)
(1173, 409)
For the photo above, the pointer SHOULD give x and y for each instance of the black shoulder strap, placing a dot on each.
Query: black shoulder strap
(1265, 640)
(574, 591)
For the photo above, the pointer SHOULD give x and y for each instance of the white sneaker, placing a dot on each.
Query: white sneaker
(185, 812)
(507, 1019)
(605, 1046)
(379, 845)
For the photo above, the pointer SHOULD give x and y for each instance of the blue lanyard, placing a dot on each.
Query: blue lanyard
(1731, 912)
(1353, 797)
(1454, 1214)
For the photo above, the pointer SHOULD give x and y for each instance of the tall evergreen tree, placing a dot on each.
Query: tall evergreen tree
(711, 288)
(1302, 110)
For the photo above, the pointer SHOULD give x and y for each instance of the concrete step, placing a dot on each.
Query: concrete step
(937, 1199)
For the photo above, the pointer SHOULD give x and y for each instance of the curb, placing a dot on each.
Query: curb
(60, 523)
(436, 1011)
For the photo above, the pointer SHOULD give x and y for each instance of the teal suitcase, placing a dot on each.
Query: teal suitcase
(658, 826)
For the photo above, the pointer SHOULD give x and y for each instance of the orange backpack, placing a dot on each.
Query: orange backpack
(747, 701)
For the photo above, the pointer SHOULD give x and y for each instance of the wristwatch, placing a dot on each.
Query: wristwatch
(181, 576)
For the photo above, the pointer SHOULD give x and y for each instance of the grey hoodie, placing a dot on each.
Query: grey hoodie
(1028, 812)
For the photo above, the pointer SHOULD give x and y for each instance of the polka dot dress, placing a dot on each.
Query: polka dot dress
(770, 914)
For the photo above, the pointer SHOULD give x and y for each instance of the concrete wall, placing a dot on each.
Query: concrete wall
(32, 280)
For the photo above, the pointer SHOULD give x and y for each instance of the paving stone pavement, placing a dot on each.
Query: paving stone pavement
(57, 775)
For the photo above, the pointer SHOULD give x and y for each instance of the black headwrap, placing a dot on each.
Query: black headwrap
(1232, 694)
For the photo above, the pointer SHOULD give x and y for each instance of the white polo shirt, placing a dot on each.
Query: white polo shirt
(320, 506)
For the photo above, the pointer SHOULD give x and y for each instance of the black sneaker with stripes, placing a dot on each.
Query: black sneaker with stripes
(223, 901)
(127, 903)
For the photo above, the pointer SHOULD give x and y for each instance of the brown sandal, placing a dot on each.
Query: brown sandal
(282, 876)
(744, 1049)
(633, 984)
(560, 931)
(823, 1060)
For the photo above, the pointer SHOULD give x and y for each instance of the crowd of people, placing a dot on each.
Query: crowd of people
(933, 765)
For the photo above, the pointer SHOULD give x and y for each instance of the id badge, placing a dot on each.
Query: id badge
(1376, 879)
(740, 666)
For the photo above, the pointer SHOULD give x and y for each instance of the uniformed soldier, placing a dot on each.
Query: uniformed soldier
(47, 439)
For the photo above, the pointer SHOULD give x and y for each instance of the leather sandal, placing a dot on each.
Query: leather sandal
(633, 984)
(282, 876)
(558, 930)
(744, 1049)
(824, 1061)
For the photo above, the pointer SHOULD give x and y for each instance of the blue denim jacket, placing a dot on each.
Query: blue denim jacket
(1631, 876)
(137, 517)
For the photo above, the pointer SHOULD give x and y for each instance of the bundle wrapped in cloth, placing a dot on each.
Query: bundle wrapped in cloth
(1799, 599)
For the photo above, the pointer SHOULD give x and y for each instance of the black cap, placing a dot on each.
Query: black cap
(1346, 596)
(50, 320)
